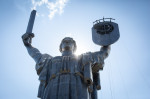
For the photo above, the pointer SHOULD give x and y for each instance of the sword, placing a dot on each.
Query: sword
(31, 23)
(30, 26)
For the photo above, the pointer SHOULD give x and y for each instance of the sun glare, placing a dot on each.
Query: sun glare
(80, 49)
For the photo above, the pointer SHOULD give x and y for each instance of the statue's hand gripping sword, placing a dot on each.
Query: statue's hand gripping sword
(29, 35)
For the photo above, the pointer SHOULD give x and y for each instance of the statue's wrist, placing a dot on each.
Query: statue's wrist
(28, 45)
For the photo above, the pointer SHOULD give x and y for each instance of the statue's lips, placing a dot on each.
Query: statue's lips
(67, 47)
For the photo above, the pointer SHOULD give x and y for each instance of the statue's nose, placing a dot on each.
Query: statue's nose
(67, 42)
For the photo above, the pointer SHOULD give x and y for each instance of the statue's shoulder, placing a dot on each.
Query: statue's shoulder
(44, 58)
(56, 58)
(83, 55)
(87, 54)
(86, 57)
(47, 56)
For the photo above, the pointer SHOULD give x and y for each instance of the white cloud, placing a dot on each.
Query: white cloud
(53, 7)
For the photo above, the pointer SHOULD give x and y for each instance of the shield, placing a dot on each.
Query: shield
(105, 33)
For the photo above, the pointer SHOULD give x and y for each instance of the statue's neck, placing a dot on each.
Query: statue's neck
(67, 53)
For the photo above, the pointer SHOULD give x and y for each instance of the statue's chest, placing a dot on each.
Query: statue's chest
(65, 64)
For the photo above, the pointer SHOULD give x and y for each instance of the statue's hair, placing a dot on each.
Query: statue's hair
(75, 46)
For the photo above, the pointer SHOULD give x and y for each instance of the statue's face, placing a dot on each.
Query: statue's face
(67, 44)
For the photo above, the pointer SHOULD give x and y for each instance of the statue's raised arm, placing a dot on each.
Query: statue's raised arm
(99, 57)
(105, 50)
(104, 33)
(40, 59)
(34, 52)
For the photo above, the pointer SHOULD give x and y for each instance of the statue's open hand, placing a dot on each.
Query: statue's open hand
(27, 38)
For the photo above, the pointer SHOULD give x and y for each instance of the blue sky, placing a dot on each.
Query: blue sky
(127, 69)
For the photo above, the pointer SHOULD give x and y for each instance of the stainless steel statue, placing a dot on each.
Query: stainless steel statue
(67, 76)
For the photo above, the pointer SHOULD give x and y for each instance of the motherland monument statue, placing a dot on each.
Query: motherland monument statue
(70, 76)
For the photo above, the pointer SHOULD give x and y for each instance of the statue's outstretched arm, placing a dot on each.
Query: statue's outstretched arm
(104, 51)
(39, 58)
(96, 58)
(41, 62)
(99, 57)
(33, 52)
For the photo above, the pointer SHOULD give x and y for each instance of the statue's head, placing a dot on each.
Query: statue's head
(68, 44)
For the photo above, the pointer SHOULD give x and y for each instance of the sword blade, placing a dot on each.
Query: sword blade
(31, 21)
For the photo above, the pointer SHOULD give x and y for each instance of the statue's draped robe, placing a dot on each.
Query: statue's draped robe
(66, 77)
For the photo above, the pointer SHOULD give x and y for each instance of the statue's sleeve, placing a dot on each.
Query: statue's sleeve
(34, 53)
(96, 59)
(42, 68)
(99, 57)
(39, 58)
(92, 62)
(42, 63)
(86, 67)
(104, 51)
